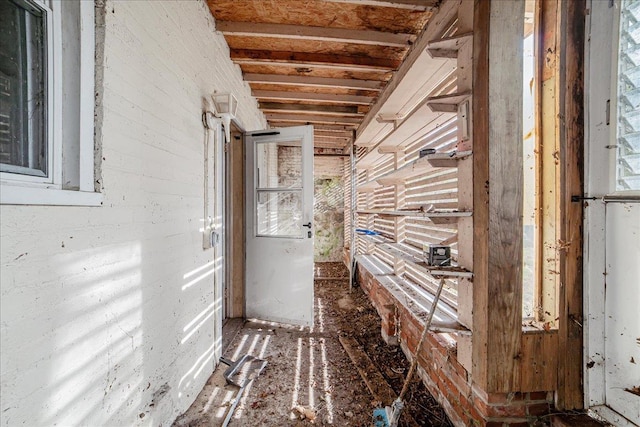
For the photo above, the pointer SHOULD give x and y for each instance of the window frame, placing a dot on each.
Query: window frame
(613, 108)
(22, 173)
(18, 189)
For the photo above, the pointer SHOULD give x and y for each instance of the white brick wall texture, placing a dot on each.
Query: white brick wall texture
(107, 313)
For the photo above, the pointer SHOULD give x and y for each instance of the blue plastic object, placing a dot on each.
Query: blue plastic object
(380, 417)
(367, 232)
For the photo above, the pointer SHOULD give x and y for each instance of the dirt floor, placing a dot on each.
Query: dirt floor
(310, 370)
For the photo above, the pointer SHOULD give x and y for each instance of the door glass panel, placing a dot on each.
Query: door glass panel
(279, 164)
(628, 135)
(279, 213)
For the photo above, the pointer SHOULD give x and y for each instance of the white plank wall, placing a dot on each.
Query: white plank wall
(107, 313)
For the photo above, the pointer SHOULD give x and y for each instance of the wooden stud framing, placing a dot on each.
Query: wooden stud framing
(571, 101)
(547, 165)
(436, 26)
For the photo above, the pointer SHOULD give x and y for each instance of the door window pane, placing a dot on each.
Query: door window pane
(279, 213)
(628, 141)
(279, 164)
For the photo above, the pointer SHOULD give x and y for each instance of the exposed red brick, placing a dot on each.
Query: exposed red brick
(444, 377)
(538, 409)
(538, 395)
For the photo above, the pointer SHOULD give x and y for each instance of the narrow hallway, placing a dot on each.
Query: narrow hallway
(310, 369)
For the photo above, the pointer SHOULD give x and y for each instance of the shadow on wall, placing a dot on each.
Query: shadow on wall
(328, 217)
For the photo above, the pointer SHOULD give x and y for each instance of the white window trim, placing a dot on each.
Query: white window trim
(25, 190)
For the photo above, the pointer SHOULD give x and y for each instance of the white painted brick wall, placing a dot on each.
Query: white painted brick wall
(94, 318)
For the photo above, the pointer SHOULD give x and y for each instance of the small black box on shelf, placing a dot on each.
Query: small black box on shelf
(437, 255)
(427, 151)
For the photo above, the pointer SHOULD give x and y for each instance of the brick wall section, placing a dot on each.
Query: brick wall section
(444, 377)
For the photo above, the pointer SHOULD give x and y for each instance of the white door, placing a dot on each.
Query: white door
(279, 191)
(622, 308)
(612, 219)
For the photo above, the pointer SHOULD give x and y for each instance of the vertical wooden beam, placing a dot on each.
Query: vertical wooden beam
(237, 224)
(571, 101)
(480, 107)
(498, 187)
(464, 74)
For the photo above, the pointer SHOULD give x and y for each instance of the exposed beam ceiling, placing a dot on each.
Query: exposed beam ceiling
(320, 62)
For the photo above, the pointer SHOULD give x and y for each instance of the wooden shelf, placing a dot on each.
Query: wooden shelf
(448, 47)
(412, 128)
(437, 217)
(368, 187)
(419, 166)
(396, 250)
(414, 297)
(447, 103)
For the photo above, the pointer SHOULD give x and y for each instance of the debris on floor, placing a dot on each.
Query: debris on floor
(309, 379)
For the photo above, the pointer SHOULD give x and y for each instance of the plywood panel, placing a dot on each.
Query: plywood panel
(319, 14)
(539, 361)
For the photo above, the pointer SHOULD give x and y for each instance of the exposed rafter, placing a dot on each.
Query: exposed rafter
(310, 118)
(333, 110)
(305, 59)
(301, 32)
(314, 81)
(314, 97)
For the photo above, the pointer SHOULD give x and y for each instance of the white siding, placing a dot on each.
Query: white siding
(98, 310)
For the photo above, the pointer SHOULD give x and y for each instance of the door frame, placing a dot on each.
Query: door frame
(235, 248)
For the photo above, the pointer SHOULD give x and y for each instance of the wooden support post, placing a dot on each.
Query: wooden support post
(571, 100)
(465, 187)
(497, 198)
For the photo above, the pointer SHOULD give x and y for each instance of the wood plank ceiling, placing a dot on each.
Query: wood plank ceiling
(319, 62)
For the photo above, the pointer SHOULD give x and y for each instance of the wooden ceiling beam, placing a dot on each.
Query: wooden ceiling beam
(275, 123)
(334, 110)
(334, 133)
(318, 97)
(314, 81)
(311, 118)
(302, 32)
(339, 141)
(418, 5)
(321, 60)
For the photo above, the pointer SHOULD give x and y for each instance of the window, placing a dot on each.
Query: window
(628, 99)
(47, 102)
(23, 90)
